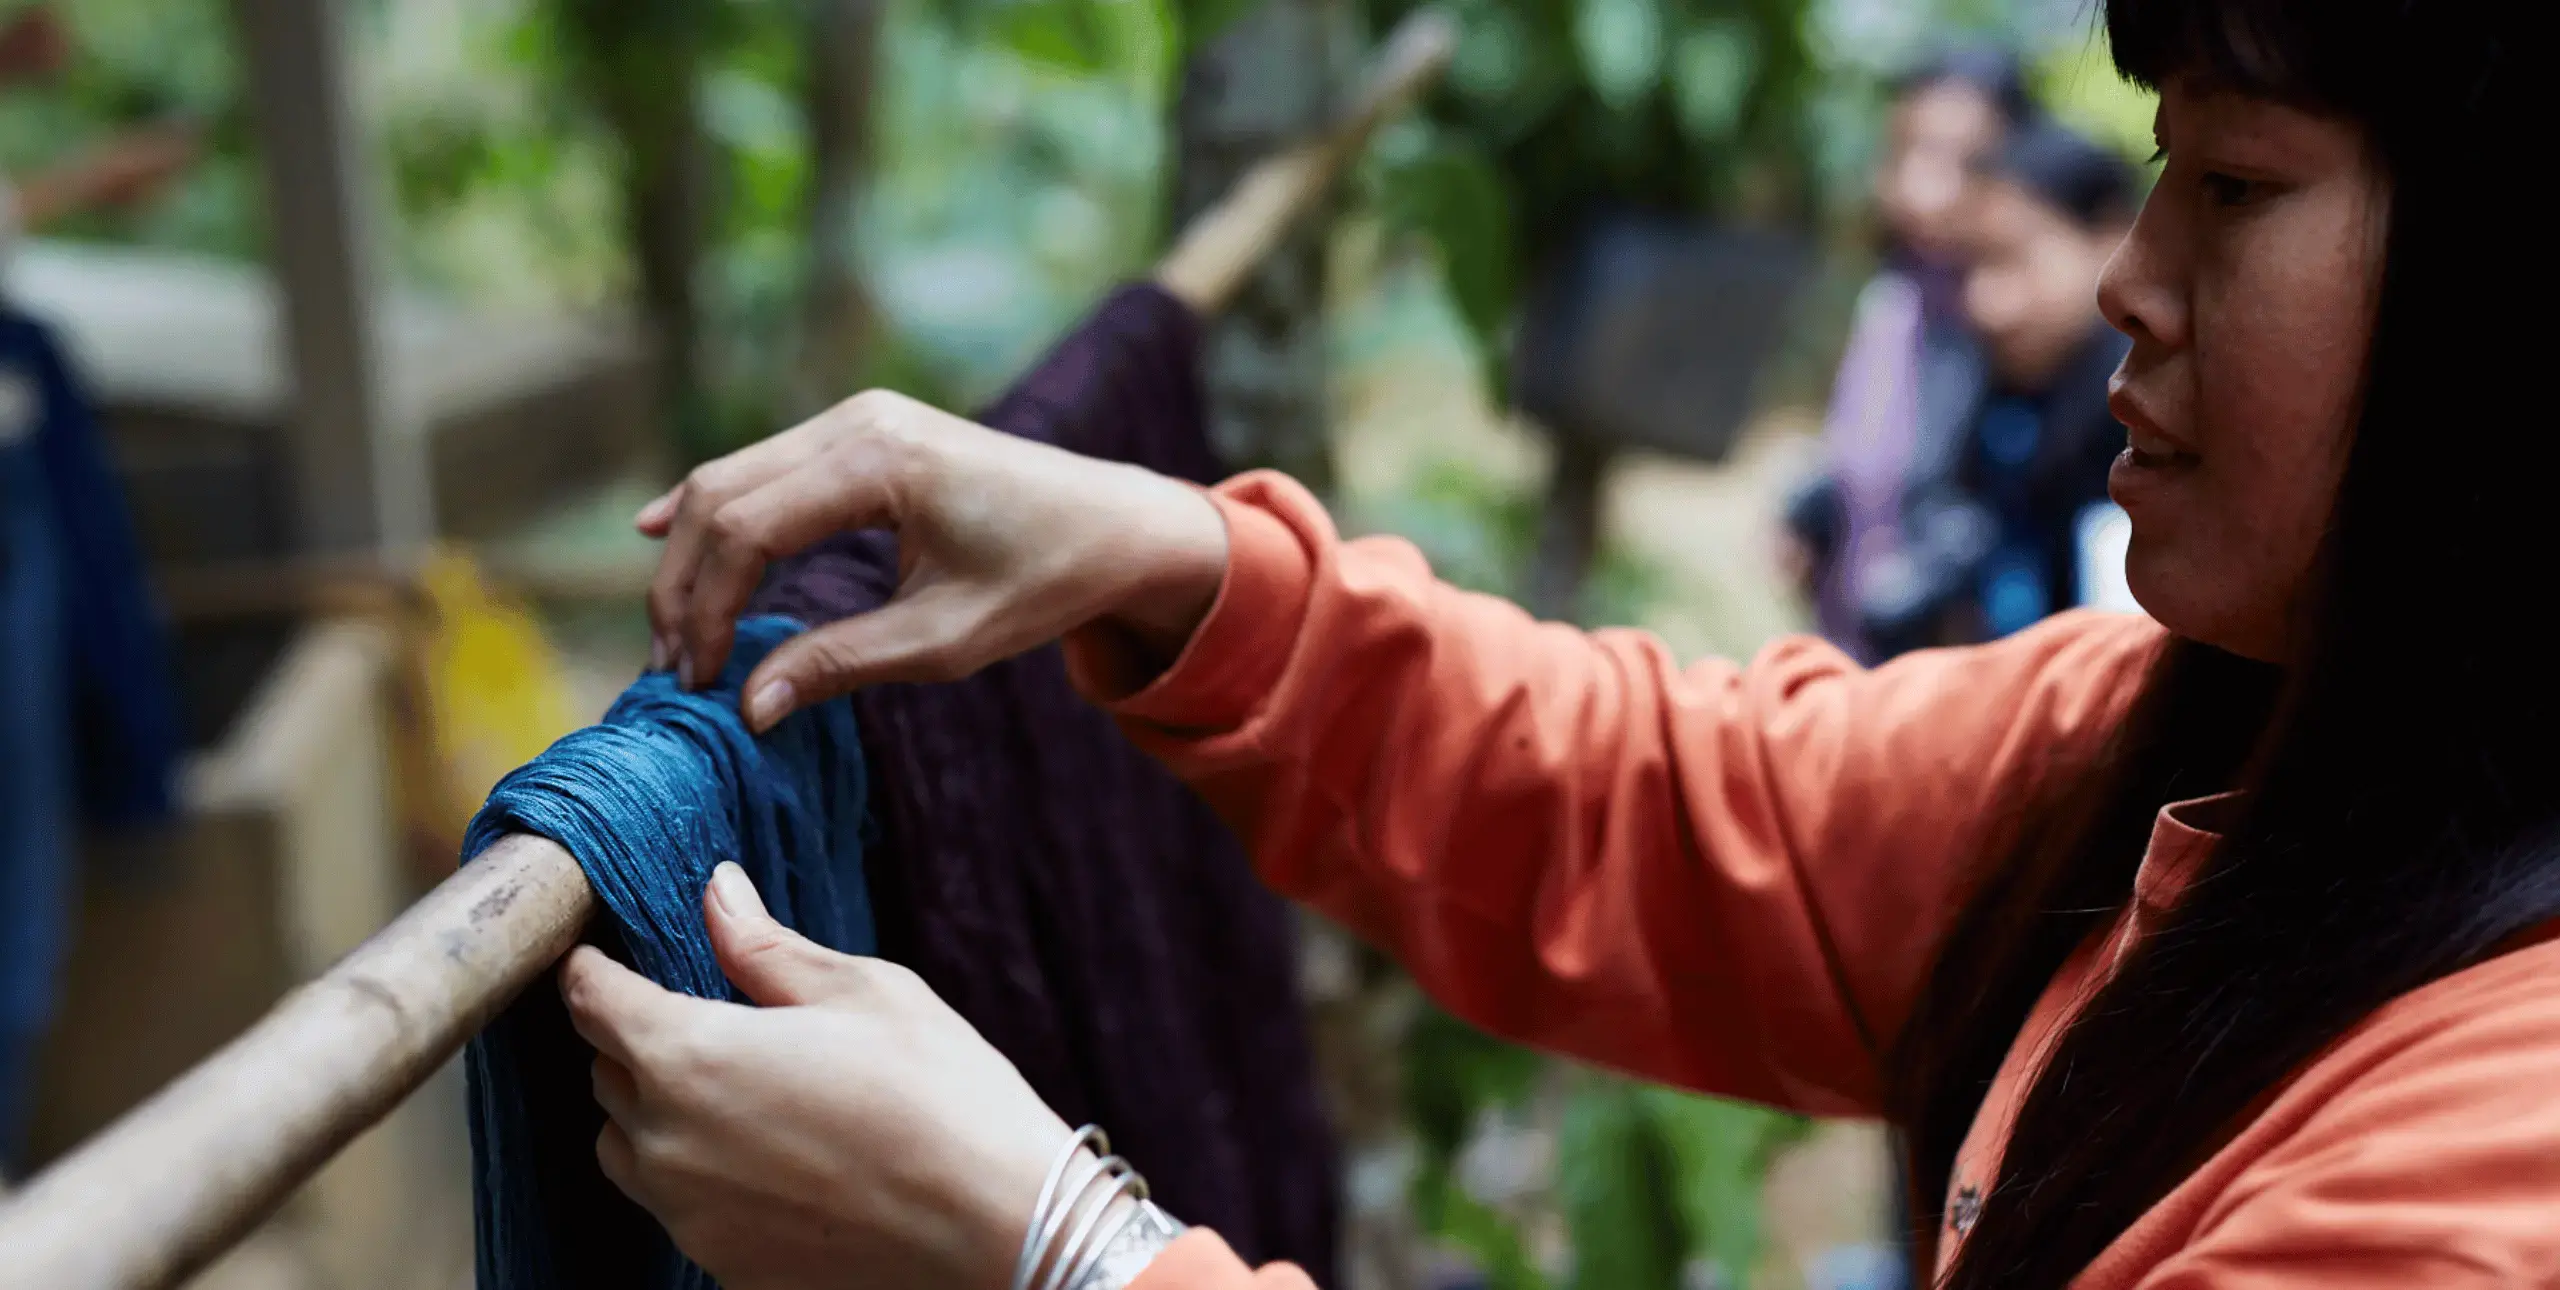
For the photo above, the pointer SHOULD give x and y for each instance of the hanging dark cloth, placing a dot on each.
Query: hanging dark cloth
(652, 799)
(1066, 894)
(89, 730)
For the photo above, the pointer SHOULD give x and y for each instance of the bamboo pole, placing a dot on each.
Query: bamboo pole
(186, 1175)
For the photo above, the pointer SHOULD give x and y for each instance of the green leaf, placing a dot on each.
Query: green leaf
(1067, 35)
(1622, 46)
(1711, 78)
(1619, 1203)
(1718, 1154)
(1454, 1071)
(1483, 1233)
(1204, 20)
(1453, 196)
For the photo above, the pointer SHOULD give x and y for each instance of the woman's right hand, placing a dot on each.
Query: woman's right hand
(1004, 544)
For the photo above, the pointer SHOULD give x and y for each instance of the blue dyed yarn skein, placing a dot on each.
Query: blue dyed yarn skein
(650, 801)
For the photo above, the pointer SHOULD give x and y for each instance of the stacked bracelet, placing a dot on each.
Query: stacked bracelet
(1080, 1236)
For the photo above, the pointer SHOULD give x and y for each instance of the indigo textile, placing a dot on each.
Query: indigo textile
(668, 787)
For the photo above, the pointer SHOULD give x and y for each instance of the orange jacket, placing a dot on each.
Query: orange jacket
(1731, 879)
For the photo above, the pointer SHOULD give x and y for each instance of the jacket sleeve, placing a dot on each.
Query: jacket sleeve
(1727, 878)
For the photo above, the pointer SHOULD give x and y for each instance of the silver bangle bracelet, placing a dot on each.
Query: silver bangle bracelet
(1079, 1236)
(1076, 1257)
(1142, 1234)
(1040, 1230)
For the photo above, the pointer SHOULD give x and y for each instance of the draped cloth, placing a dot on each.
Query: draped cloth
(89, 726)
(1066, 894)
(650, 801)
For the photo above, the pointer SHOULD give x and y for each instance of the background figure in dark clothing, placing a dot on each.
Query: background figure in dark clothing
(2015, 440)
(1948, 114)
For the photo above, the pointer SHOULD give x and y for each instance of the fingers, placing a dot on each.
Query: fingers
(653, 519)
(844, 488)
(614, 1089)
(612, 1007)
(768, 962)
(621, 1164)
(932, 635)
(733, 516)
(681, 516)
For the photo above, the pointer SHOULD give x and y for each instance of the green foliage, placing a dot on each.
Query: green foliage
(1651, 1181)
(1716, 1154)
(1621, 1195)
(1088, 38)
(1556, 110)
(1655, 1180)
(144, 62)
(1480, 534)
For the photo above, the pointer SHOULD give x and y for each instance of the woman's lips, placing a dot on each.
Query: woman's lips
(2146, 445)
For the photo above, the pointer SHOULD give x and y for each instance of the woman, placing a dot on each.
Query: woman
(2211, 953)
(1948, 114)
(2021, 441)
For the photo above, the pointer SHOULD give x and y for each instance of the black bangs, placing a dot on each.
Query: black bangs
(2271, 48)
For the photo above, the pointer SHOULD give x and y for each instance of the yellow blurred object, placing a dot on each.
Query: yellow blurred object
(497, 694)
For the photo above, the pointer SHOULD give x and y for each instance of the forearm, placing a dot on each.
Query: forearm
(1565, 837)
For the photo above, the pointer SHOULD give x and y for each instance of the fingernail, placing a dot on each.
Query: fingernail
(770, 704)
(737, 895)
(684, 670)
(651, 513)
(657, 653)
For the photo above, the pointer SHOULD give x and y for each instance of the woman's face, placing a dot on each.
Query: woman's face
(2248, 285)
(2028, 288)
(1937, 133)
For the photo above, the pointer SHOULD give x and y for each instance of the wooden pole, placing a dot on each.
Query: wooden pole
(359, 481)
(186, 1175)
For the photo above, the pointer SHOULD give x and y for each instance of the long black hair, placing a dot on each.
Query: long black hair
(2402, 776)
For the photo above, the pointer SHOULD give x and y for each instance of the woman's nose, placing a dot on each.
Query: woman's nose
(2141, 291)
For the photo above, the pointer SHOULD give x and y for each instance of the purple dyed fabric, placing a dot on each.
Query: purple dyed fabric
(1064, 892)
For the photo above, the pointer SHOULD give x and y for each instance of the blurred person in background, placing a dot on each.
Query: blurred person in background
(2014, 449)
(88, 710)
(1947, 115)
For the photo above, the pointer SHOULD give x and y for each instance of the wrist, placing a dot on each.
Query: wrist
(1092, 1227)
(1181, 561)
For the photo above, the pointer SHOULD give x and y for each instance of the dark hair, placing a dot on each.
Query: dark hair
(1993, 71)
(2402, 776)
(2088, 183)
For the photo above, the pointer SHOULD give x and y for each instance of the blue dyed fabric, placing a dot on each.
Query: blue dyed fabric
(89, 726)
(668, 787)
(126, 729)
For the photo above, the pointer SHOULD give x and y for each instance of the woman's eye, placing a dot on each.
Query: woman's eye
(2229, 190)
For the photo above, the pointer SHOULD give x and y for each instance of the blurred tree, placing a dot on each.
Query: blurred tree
(638, 64)
(839, 321)
(1252, 84)
(1558, 112)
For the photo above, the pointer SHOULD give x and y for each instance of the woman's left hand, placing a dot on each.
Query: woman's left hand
(853, 1128)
